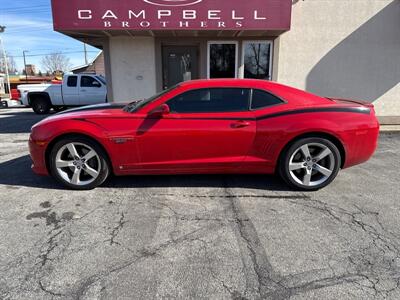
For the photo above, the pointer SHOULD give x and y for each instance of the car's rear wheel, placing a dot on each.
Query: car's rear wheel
(41, 106)
(310, 163)
(79, 163)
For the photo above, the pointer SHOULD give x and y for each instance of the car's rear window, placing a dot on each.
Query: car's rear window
(262, 99)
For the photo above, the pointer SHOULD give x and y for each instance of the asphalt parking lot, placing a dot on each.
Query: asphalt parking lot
(197, 237)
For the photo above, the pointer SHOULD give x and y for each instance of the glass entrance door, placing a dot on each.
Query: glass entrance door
(180, 63)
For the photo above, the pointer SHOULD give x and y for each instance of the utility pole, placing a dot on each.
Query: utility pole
(2, 29)
(85, 51)
(26, 70)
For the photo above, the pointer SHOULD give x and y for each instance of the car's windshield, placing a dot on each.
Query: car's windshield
(136, 105)
(102, 79)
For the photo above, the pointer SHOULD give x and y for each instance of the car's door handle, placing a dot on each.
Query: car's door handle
(241, 124)
(83, 90)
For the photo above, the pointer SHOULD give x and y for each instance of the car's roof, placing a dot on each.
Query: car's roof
(224, 81)
(234, 82)
(288, 93)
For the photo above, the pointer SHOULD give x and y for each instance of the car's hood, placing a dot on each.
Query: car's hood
(97, 107)
(87, 112)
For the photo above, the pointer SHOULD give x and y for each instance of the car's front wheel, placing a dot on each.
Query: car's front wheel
(310, 163)
(79, 163)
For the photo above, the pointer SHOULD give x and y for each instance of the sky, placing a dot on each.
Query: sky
(30, 27)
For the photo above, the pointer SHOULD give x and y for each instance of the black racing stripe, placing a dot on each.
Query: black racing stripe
(92, 107)
(358, 110)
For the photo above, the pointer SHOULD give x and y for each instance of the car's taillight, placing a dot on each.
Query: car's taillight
(18, 94)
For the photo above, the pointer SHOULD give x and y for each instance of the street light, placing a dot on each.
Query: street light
(2, 29)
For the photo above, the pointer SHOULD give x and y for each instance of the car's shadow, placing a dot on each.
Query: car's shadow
(17, 173)
(17, 121)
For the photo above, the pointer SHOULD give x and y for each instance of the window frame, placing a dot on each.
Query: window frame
(283, 101)
(245, 42)
(228, 42)
(215, 112)
(93, 78)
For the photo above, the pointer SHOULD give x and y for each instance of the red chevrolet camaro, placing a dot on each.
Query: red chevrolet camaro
(208, 126)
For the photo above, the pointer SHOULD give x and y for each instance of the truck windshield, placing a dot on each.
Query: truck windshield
(136, 105)
(102, 79)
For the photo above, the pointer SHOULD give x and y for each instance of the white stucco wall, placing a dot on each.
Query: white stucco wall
(132, 68)
(346, 48)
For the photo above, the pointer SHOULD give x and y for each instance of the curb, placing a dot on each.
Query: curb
(389, 129)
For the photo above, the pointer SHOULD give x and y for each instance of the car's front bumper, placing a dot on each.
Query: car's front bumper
(37, 151)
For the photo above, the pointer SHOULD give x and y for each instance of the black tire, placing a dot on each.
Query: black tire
(41, 105)
(103, 165)
(293, 149)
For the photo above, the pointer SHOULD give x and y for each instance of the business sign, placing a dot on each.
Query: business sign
(171, 14)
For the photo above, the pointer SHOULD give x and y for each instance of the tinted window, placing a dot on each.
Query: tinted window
(87, 81)
(263, 99)
(222, 60)
(211, 100)
(72, 81)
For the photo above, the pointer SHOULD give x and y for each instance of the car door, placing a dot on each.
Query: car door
(91, 91)
(206, 130)
(70, 90)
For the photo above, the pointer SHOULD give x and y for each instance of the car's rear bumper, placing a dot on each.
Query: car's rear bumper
(361, 145)
(37, 152)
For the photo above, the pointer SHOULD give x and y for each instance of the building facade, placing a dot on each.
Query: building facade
(95, 66)
(30, 70)
(347, 48)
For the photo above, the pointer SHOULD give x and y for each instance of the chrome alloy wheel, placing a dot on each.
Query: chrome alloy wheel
(311, 164)
(78, 164)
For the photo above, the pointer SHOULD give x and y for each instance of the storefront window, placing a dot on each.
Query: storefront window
(222, 60)
(257, 59)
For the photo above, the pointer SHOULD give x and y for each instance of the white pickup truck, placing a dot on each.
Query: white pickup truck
(75, 90)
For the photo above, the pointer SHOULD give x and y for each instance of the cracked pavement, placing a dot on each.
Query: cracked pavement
(202, 237)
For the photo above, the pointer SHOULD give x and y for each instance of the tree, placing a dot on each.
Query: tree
(11, 64)
(40, 73)
(56, 63)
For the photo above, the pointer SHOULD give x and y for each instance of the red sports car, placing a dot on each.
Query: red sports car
(208, 126)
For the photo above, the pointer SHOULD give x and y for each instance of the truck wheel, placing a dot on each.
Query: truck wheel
(41, 106)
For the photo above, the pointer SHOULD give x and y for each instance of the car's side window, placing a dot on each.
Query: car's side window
(72, 81)
(87, 81)
(262, 99)
(211, 100)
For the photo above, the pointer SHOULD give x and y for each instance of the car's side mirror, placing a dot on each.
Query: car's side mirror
(160, 111)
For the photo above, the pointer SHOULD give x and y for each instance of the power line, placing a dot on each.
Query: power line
(25, 8)
(48, 49)
(32, 31)
(45, 54)
(34, 26)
